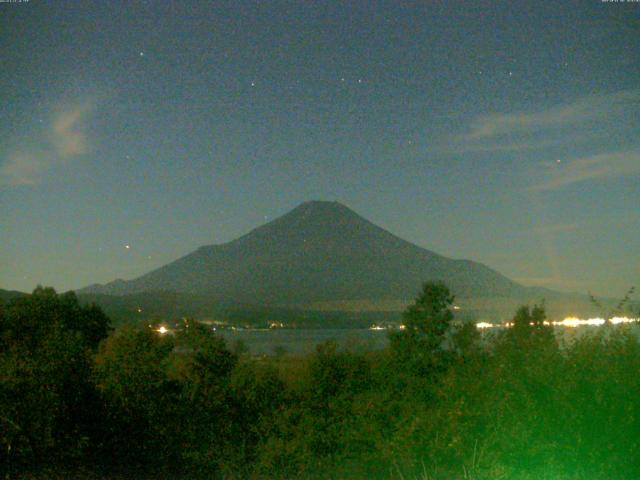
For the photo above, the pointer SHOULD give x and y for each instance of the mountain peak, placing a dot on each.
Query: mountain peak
(330, 211)
(317, 219)
(311, 203)
(325, 207)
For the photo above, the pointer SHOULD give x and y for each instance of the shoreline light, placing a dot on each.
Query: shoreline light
(570, 322)
(482, 325)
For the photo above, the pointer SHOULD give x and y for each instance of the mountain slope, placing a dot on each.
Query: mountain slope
(7, 295)
(320, 251)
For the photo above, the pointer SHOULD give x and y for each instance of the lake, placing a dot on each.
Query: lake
(268, 341)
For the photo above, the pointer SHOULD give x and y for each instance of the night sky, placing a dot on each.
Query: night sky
(132, 133)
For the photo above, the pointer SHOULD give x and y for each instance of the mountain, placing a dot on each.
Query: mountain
(7, 295)
(319, 253)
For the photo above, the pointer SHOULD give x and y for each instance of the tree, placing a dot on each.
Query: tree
(421, 344)
(466, 339)
(131, 375)
(47, 399)
(334, 373)
(29, 319)
(529, 329)
(625, 305)
(203, 365)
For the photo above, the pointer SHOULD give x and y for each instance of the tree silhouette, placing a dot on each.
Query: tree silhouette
(48, 403)
(421, 344)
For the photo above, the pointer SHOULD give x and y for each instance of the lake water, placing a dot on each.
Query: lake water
(267, 342)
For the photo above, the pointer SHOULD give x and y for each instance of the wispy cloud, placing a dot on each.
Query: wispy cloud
(67, 135)
(555, 126)
(64, 139)
(605, 165)
(585, 109)
(21, 168)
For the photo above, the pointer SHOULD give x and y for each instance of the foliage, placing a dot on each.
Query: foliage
(131, 375)
(47, 402)
(439, 403)
(420, 346)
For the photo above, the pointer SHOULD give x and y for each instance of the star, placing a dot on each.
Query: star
(511, 74)
(127, 246)
(142, 54)
(253, 84)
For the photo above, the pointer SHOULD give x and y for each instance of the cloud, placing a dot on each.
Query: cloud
(64, 139)
(585, 109)
(21, 168)
(557, 126)
(67, 135)
(604, 165)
